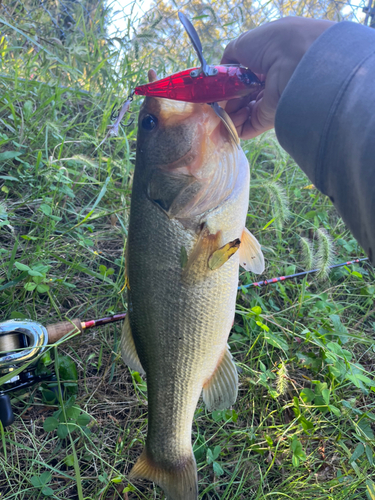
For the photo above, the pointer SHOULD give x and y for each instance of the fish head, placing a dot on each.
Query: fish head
(183, 153)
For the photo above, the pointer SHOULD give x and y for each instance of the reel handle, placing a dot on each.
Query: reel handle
(57, 331)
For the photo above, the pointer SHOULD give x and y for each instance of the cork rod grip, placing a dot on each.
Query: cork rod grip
(59, 330)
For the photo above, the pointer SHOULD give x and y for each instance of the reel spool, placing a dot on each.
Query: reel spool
(10, 343)
(20, 341)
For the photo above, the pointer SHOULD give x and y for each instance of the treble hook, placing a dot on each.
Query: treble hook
(113, 129)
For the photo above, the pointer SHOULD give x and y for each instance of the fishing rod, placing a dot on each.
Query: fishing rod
(297, 275)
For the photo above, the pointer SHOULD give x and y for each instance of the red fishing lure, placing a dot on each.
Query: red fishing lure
(222, 82)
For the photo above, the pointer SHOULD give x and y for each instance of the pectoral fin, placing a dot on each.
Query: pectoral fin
(196, 266)
(251, 256)
(220, 391)
(128, 349)
(223, 254)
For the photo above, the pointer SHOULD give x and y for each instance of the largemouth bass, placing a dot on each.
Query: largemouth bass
(186, 239)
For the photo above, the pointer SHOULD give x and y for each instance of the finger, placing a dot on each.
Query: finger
(229, 56)
(249, 50)
(152, 76)
(240, 117)
(249, 132)
(250, 121)
(262, 115)
(263, 110)
(233, 105)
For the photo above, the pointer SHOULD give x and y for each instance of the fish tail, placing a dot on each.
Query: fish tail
(179, 482)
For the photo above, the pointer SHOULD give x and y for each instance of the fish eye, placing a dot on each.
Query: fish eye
(149, 122)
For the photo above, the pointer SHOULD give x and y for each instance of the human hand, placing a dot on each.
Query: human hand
(272, 51)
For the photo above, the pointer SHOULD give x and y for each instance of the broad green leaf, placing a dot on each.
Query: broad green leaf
(307, 395)
(338, 369)
(326, 395)
(62, 431)
(340, 329)
(47, 491)
(365, 427)
(35, 481)
(128, 489)
(50, 424)
(83, 419)
(17, 315)
(30, 286)
(307, 426)
(67, 368)
(22, 267)
(69, 460)
(28, 238)
(358, 452)
(210, 457)
(32, 272)
(45, 477)
(295, 460)
(218, 470)
(334, 410)
(216, 452)
(46, 209)
(296, 446)
(369, 454)
(9, 155)
(72, 412)
(117, 479)
(366, 380)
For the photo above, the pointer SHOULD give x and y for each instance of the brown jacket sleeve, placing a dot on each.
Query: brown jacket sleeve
(326, 121)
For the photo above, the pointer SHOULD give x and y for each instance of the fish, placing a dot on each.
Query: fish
(186, 239)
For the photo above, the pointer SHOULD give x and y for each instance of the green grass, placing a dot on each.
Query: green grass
(302, 425)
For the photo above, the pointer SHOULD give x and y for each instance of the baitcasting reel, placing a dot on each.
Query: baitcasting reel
(21, 343)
